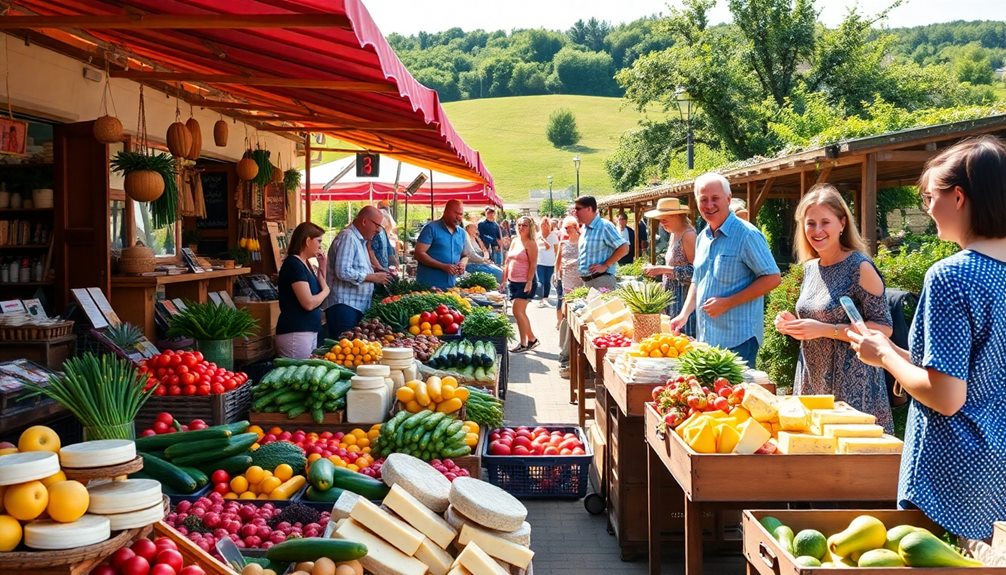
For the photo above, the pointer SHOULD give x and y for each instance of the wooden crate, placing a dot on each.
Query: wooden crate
(766, 557)
(266, 313)
(595, 355)
(630, 397)
(473, 463)
(214, 409)
(191, 552)
(251, 349)
(304, 421)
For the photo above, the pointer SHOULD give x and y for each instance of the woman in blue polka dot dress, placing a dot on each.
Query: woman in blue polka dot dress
(954, 463)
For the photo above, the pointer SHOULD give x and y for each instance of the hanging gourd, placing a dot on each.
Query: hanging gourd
(148, 175)
(220, 133)
(195, 131)
(107, 128)
(179, 139)
(247, 168)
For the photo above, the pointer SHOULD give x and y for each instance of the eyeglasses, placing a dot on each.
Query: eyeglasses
(522, 225)
(376, 223)
(578, 208)
(927, 199)
(572, 227)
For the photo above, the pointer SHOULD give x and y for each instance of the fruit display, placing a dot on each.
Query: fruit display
(158, 556)
(526, 441)
(188, 373)
(612, 340)
(483, 408)
(685, 396)
(396, 311)
(253, 525)
(351, 353)
(663, 345)
(442, 320)
(442, 395)
(368, 329)
(422, 346)
(867, 542)
(427, 435)
(323, 566)
(182, 461)
(166, 423)
(298, 386)
(472, 359)
(351, 450)
(257, 483)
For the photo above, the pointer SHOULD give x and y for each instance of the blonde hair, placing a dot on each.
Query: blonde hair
(826, 195)
(570, 220)
(532, 228)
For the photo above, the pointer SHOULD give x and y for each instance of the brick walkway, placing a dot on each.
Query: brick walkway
(566, 539)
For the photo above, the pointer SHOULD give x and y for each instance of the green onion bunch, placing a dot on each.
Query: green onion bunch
(211, 321)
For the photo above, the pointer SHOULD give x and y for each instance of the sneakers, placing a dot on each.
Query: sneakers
(542, 303)
(564, 371)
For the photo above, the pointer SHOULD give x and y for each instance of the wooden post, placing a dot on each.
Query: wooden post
(750, 201)
(636, 249)
(868, 213)
(803, 183)
(307, 180)
(652, 228)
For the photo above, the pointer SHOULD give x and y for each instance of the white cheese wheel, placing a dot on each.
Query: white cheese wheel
(135, 519)
(367, 382)
(396, 353)
(27, 466)
(373, 370)
(124, 496)
(410, 372)
(399, 363)
(99, 453)
(486, 504)
(522, 536)
(47, 534)
(417, 478)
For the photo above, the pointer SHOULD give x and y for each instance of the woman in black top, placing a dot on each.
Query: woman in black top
(301, 293)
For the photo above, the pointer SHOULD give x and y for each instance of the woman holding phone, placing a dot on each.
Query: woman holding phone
(952, 466)
(835, 264)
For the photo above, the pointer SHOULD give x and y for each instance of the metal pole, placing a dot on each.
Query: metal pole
(551, 202)
(431, 195)
(690, 149)
(307, 180)
(578, 179)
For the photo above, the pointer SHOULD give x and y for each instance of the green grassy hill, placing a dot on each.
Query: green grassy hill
(510, 134)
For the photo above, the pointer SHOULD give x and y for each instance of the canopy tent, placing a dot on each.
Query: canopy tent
(289, 66)
(395, 176)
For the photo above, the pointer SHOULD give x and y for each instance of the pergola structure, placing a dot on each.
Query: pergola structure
(861, 166)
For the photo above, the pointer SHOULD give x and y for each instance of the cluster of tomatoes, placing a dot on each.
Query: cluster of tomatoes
(187, 373)
(166, 423)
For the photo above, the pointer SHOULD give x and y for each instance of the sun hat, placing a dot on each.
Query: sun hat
(667, 207)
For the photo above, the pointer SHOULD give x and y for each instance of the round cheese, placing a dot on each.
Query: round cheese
(99, 453)
(27, 466)
(367, 382)
(124, 496)
(417, 478)
(521, 536)
(486, 504)
(395, 353)
(47, 534)
(398, 363)
(135, 519)
(373, 370)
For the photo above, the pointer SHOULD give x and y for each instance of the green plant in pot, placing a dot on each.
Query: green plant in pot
(104, 394)
(646, 301)
(150, 178)
(214, 328)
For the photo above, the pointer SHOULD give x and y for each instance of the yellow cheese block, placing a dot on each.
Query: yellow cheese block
(459, 570)
(885, 444)
(817, 401)
(382, 558)
(805, 444)
(435, 557)
(840, 415)
(760, 402)
(473, 558)
(610, 319)
(852, 430)
(727, 438)
(496, 547)
(391, 529)
(420, 517)
(752, 437)
(701, 437)
(793, 416)
(740, 414)
(691, 420)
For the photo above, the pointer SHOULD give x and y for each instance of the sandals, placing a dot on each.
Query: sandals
(532, 344)
(522, 348)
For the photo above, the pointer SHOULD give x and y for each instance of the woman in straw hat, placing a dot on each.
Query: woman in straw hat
(677, 268)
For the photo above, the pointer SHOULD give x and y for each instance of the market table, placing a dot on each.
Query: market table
(578, 392)
(712, 481)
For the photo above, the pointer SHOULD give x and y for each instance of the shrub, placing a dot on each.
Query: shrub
(905, 267)
(779, 353)
(561, 129)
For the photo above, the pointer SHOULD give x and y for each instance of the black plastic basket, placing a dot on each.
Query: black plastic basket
(542, 477)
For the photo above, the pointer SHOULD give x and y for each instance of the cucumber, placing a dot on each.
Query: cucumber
(432, 421)
(170, 475)
(360, 484)
(312, 548)
(197, 474)
(267, 399)
(416, 419)
(456, 451)
(295, 412)
(317, 374)
(237, 445)
(327, 496)
(207, 445)
(318, 415)
(235, 428)
(322, 474)
(303, 374)
(331, 376)
(164, 440)
(389, 427)
(232, 465)
(289, 397)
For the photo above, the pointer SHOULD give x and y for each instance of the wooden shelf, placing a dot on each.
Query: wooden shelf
(25, 166)
(25, 247)
(36, 284)
(22, 210)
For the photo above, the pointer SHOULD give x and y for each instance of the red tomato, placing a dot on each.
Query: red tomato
(452, 328)
(160, 427)
(522, 440)
(182, 369)
(198, 355)
(135, 566)
(458, 318)
(174, 390)
(189, 359)
(521, 450)
(160, 390)
(202, 390)
(104, 570)
(175, 361)
(219, 476)
(499, 448)
(165, 417)
(171, 557)
(221, 488)
(163, 569)
(442, 309)
(165, 543)
(192, 570)
(120, 557)
(551, 450)
(230, 384)
(190, 389)
(145, 548)
(196, 424)
(217, 388)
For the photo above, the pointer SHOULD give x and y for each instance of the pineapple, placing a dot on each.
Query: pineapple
(645, 298)
(708, 364)
(125, 335)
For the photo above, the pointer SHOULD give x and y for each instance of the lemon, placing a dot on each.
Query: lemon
(10, 533)
(283, 471)
(239, 485)
(255, 474)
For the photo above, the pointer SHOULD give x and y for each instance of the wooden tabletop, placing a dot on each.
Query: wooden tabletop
(146, 281)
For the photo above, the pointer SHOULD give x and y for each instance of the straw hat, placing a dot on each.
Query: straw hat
(667, 207)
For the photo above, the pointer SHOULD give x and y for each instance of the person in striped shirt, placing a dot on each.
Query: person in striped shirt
(600, 245)
(351, 275)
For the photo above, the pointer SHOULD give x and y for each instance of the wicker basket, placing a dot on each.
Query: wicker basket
(35, 331)
(136, 260)
(644, 325)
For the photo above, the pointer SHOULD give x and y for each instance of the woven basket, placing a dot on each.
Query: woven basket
(136, 260)
(644, 325)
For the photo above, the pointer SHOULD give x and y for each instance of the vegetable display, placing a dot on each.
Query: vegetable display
(370, 330)
(343, 449)
(483, 322)
(483, 408)
(182, 460)
(427, 435)
(188, 373)
(441, 320)
(353, 353)
(442, 395)
(297, 386)
(481, 279)
(211, 321)
(474, 359)
(422, 346)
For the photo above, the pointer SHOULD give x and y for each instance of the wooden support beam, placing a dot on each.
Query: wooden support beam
(363, 127)
(868, 208)
(636, 244)
(822, 176)
(276, 81)
(760, 200)
(803, 183)
(175, 21)
(307, 180)
(921, 156)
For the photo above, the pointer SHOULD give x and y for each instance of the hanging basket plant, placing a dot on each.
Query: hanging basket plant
(291, 180)
(264, 176)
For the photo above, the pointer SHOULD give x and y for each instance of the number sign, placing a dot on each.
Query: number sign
(368, 165)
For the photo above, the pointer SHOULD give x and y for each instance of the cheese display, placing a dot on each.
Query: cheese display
(850, 430)
(391, 529)
(46, 534)
(885, 444)
(433, 526)
(135, 519)
(99, 453)
(344, 505)
(805, 444)
(382, 557)
(28, 466)
(841, 414)
(417, 478)
(520, 536)
(473, 558)
(487, 504)
(124, 496)
(497, 547)
(793, 415)
(435, 557)
(817, 401)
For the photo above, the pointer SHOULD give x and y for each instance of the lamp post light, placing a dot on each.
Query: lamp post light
(551, 202)
(681, 97)
(576, 164)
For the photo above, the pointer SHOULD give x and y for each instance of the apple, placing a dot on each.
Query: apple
(39, 438)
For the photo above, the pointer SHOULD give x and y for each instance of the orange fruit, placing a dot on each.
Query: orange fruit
(54, 478)
(68, 501)
(39, 438)
(26, 501)
(10, 533)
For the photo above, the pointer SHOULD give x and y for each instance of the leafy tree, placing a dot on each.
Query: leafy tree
(554, 208)
(589, 34)
(973, 65)
(528, 79)
(442, 81)
(561, 129)
(589, 73)
(537, 45)
(628, 42)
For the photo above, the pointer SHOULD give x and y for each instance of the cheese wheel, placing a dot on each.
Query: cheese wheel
(124, 496)
(486, 504)
(367, 382)
(398, 363)
(373, 370)
(417, 478)
(135, 519)
(521, 536)
(99, 453)
(396, 353)
(47, 534)
(27, 466)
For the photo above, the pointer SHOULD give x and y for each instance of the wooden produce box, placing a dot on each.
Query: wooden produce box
(214, 409)
(249, 349)
(595, 355)
(828, 477)
(473, 463)
(766, 557)
(266, 313)
(598, 469)
(191, 552)
(304, 421)
(630, 397)
(50, 352)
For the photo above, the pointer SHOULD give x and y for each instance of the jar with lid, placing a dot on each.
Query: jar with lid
(24, 273)
(37, 271)
(368, 400)
(4, 273)
(14, 270)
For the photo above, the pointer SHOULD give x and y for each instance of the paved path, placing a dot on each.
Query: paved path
(566, 539)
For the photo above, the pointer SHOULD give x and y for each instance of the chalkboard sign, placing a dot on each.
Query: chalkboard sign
(216, 195)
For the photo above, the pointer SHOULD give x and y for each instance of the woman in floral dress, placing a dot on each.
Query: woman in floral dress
(677, 269)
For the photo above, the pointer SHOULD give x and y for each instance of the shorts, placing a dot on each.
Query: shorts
(516, 290)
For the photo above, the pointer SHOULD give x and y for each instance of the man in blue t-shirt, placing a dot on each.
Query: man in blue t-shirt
(490, 233)
(439, 249)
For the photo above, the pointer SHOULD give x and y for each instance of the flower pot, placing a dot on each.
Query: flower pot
(120, 431)
(144, 185)
(644, 325)
(218, 351)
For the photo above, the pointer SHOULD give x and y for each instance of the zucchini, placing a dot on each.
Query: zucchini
(232, 465)
(235, 446)
(165, 440)
(295, 412)
(235, 428)
(169, 474)
(269, 398)
(360, 484)
(197, 474)
(328, 495)
(207, 445)
(312, 548)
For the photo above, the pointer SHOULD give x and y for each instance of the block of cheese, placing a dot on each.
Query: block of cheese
(852, 430)
(760, 402)
(753, 436)
(607, 307)
(841, 415)
(486, 504)
(391, 529)
(885, 444)
(459, 570)
(520, 536)
(816, 401)
(382, 558)
(496, 546)
(610, 319)
(420, 516)
(478, 561)
(435, 557)
(805, 444)
(344, 505)
(420, 480)
(793, 416)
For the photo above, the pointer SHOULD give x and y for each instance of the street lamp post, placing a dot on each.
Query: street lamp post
(681, 97)
(551, 202)
(576, 164)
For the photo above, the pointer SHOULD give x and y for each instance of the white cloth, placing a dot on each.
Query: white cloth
(297, 344)
(547, 249)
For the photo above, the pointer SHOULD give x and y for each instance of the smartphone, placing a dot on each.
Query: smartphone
(853, 313)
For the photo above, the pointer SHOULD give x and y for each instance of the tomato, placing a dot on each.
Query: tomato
(219, 476)
(192, 570)
(175, 361)
(198, 355)
(182, 369)
(174, 390)
(163, 543)
(160, 390)
(165, 417)
(145, 548)
(196, 424)
(222, 488)
(171, 557)
(442, 309)
(160, 426)
(521, 450)
(163, 569)
(498, 448)
(452, 328)
(216, 388)
(230, 384)
(189, 359)
(190, 390)
(136, 565)
(203, 390)
(120, 557)
(458, 318)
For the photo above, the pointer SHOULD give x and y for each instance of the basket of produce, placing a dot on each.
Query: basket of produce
(548, 461)
(351, 353)
(368, 330)
(405, 312)
(470, 361)
(298, 387)
(426, 435)
(164, 550)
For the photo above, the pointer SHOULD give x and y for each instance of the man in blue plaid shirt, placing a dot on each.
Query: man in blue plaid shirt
(351, 276)
(600, 247)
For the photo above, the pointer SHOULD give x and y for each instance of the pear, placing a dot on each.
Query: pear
(923, 549)
(866, 532)
(894, 535)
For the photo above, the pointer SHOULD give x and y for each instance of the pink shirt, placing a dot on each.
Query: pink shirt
(520, 265)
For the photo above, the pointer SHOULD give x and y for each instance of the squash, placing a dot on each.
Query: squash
(192, 125)
(220, 133)
(179, 140)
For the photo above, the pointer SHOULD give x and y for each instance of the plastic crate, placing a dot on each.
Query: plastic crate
(502, 351)
(214, 409)
(541, 477)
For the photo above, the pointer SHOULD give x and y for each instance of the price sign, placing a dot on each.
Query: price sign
(368, 165)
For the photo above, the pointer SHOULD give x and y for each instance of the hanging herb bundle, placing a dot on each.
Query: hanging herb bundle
(261, 158)
(210, 321)
(102, 393)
